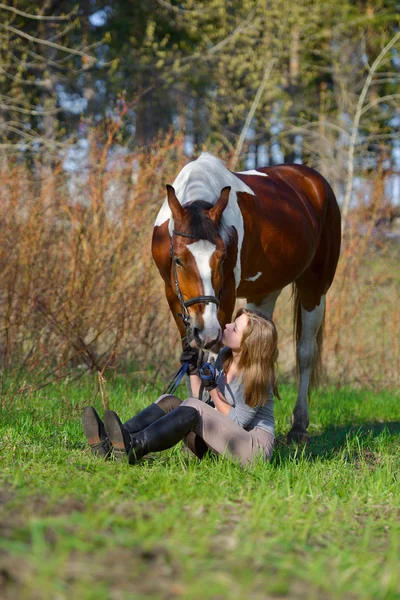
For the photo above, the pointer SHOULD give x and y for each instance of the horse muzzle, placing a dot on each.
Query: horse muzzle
(206, 339)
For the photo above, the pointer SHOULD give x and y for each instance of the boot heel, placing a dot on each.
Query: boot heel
(93, 428)
(117, 434)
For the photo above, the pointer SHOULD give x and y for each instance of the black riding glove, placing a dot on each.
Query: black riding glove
(190, 355)
(208, 375)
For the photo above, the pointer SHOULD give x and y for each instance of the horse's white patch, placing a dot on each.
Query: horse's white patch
(252, 172)
(202, 252)
(254, 277)
(311, 322)
(203, 179)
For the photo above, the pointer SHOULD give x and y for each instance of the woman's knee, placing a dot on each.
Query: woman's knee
(168, 402)
(194, 403)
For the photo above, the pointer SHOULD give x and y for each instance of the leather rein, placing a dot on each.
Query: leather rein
(195, 300)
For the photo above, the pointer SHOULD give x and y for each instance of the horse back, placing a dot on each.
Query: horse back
(294, 219)
(294, 187)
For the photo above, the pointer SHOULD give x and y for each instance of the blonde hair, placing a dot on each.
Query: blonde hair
(257, 356)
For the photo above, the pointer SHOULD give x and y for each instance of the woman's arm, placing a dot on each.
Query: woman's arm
(216, 396)
(220, 403)
(195, 383)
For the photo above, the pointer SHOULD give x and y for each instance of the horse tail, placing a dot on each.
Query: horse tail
(316, 372)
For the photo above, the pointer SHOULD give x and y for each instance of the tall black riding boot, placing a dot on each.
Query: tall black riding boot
(164, 433)
(160, 435)
(146, 417)
(120, 434)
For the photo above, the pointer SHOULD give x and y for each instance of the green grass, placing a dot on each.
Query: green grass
(318, 522)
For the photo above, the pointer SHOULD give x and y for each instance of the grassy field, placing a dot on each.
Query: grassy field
(318, 522)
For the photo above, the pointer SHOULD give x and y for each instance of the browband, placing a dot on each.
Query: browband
(188, 235)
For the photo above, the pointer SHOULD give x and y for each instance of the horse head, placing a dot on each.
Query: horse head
(197, 256)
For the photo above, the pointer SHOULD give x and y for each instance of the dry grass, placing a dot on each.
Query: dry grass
(78, 285)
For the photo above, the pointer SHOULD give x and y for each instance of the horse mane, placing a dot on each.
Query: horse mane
(198, 187)
(202, 227)
(200, 224)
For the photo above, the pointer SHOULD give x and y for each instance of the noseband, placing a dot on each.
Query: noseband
(197, 299)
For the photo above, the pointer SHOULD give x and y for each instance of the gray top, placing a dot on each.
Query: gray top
(241, 413)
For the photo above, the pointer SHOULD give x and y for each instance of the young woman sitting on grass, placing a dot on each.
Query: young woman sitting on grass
(242, 423)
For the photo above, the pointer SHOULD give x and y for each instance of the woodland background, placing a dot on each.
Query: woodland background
(101, 104)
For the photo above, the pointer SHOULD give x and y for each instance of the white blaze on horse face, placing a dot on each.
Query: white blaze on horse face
(202, 252)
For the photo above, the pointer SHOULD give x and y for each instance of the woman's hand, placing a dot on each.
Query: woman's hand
(208, 375)
(191, 356)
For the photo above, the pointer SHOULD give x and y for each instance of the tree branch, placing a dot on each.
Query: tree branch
(252, 110)
(38, 17)
(355, 127)
(31, 38)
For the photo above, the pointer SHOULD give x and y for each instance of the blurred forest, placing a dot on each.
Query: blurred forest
(197, 67)
(102, 103)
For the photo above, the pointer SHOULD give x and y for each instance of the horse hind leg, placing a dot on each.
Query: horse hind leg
(308, 353)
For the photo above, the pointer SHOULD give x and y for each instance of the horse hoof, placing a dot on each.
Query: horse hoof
(298, 437)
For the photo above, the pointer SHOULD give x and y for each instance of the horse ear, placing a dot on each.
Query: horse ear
(174, 204)
(215, 213)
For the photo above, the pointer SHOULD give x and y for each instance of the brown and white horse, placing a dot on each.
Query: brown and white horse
(221, 235)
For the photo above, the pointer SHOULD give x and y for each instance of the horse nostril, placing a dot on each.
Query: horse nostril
(196, 333)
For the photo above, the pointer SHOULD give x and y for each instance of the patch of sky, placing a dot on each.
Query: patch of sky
(395, 58)
(395, 179)
(298, 144)
(99, 18)
(250, 162)
(188, 145)
(396, 154)
(395, 121)
(102, 52)
(72, 102)
(111, 113)
(262, 156)
(276, 153)
(100, 87)
(395, 192)
(276, 124)
(176, 123)
(345, 120)
(76, 156)
(116, 157)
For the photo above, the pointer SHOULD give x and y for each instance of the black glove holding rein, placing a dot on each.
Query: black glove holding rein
(208, 375)
(190, 355)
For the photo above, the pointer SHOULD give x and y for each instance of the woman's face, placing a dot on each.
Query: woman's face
(233, 332)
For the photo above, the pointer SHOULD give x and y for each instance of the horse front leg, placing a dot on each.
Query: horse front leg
(307, 350)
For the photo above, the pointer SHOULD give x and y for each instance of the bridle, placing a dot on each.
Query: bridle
(197, 299)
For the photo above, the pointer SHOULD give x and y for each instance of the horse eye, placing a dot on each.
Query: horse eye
(178, 262)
